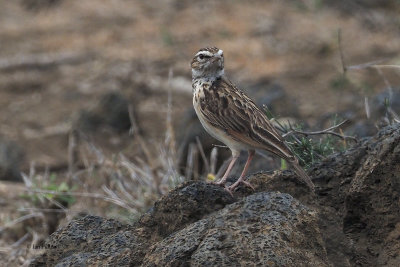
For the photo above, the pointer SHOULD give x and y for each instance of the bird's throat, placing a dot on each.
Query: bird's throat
(211, 75)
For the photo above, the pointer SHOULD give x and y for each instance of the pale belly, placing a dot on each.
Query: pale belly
(218, 134)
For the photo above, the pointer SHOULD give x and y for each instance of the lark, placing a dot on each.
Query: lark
(231, 117)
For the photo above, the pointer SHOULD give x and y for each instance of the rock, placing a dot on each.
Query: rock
(372, 202)
(281, 230)
(263, 229)
(94, 240)
(91, 241)
(357, 200)
(11, 157)
(352, 220)
(186, 204)
(111, 111)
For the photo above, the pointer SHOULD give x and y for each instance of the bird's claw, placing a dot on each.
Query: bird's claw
(222, 184)
(219, 183)
(231, 188)
(229, 191)
(237, 183)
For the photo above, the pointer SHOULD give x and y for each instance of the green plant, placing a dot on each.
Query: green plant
(52, 191)
(310, 150)
(310, 147)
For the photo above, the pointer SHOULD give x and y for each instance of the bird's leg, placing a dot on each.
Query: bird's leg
(241, 178)
(235, 156)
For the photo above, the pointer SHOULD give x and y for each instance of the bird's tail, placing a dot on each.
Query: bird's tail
(303, 175)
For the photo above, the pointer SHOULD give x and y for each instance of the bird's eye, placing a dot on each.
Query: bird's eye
(202, 56)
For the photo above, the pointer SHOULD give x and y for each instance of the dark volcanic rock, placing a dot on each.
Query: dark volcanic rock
(353, 219)
(93, 241)
(357, 199)
(372, 202)
(188, 203)
(97, 241)
(263, 229)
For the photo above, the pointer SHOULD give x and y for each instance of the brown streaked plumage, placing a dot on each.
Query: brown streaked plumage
(230, 116)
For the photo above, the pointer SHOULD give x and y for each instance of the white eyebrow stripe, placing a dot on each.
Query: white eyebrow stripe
(206, 53)
(220, 52)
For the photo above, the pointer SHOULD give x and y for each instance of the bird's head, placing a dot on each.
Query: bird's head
(208, 63)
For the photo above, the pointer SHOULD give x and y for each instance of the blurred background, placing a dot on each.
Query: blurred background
(96, 99)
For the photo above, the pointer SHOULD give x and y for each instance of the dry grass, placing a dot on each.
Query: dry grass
(109, 186)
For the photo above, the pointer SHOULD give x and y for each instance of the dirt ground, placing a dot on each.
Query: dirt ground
(58, 58)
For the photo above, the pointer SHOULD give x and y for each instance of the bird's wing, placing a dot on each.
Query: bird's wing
(229, 109)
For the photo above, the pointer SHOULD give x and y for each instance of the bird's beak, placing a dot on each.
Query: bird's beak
(219, 53)
(215, 59)
(218, 56)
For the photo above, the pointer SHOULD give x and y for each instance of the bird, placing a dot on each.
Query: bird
(233, 118)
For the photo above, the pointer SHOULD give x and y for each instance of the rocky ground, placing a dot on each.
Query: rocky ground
(95, 99)
(351, 220)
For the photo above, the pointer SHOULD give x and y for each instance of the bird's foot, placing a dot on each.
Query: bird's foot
(222, 183)
(228, 190)
(237, 183)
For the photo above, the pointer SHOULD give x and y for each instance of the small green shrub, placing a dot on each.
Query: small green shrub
(53, 188)
(308, 148)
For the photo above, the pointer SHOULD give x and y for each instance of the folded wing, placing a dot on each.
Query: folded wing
(229, 109)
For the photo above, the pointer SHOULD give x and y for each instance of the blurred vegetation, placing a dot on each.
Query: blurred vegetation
(52, 188)
(310, 147)
(310, 150)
